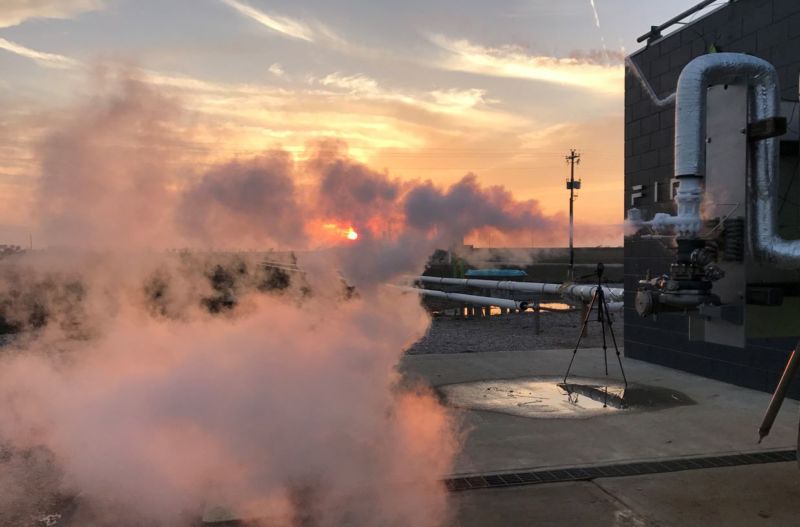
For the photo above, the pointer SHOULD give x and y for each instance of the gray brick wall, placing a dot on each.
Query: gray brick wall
(769, 29)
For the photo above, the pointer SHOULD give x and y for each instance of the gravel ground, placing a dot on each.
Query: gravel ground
(513, 332)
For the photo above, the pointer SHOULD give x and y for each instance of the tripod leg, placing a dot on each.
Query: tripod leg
(601, 318)
(614, 340)
(580, 335)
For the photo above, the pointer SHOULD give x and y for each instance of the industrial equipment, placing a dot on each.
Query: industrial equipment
(734, 272)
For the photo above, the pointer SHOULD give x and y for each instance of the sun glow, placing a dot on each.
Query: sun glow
(348, 233)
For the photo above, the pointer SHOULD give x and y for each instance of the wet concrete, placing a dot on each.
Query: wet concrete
(551, 398)
(724, 419)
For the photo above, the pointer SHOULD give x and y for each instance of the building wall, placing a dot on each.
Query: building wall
(769, 29)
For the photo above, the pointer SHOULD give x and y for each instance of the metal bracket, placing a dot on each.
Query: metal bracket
(733, 313)
(766, 128)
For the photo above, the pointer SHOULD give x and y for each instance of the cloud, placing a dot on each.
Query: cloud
(352, 107)
(14, 12)
(450, 101)
(277, 70)
(308, 31)
(354, 83)
(48, 60)
(508, 61)
(125, 168)
(280, 24)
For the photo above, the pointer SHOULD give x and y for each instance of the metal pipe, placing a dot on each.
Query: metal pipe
(471, 299)
(690, 112)
(690, 124)
(648, 88)
(779, 395)
(655, 31)
(761, 79)
(573, 291)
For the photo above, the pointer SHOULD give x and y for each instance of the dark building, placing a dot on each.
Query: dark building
(768, 29)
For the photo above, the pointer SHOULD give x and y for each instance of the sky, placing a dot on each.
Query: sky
(419, 90)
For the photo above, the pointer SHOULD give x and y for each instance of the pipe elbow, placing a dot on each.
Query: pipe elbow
(690, 105)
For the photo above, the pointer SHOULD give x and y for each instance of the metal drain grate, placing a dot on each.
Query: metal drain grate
(612, 471)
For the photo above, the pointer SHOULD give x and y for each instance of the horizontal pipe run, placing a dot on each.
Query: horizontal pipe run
(655, 31)
(471, 299)
(492, 301)
(582, 292)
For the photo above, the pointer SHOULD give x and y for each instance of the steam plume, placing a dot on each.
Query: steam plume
(158, 384)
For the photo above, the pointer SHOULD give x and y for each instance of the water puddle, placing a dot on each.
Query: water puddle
(550, 398)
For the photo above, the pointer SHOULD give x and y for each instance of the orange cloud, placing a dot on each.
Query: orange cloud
(15, 12)
(515, 62)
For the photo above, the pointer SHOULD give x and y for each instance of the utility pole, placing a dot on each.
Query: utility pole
(574, 158)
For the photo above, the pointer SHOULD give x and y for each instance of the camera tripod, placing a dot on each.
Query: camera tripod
(599, 300)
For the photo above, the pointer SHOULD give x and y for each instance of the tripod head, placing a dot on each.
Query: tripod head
(599, 272)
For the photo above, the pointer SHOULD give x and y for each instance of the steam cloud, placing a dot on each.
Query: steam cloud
(156, 385)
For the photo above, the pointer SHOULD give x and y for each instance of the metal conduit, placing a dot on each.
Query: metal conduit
(582, 292)
(489, 300)
(471, 299)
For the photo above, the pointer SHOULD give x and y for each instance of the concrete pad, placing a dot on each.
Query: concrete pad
(724, 420)
(744, 496)
(563, 504)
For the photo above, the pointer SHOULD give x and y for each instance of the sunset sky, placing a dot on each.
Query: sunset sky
(422, 90)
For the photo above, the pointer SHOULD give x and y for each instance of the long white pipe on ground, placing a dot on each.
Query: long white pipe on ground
(471, 299)
(490, 301)
(583, 292)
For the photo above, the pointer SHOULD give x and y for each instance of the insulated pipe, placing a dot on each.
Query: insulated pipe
(761, 79)
(471, 299)
(690, 110)
(690, 132)
(574, 291)
(690, 122)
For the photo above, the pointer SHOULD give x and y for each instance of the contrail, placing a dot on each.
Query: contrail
(596, 17)
(597, 23)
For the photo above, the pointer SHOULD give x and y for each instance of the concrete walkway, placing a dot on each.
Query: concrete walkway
(724, 420)
(756, 495)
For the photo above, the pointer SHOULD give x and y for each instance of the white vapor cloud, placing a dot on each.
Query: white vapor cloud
(280, 24)
(14, 12)
(515, 62)
(48, 60)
